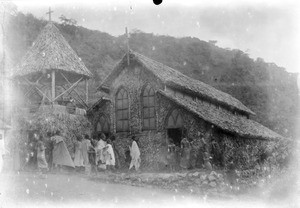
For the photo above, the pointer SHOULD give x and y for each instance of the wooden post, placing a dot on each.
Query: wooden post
(86, 91)
(53, 86)
(127, 43)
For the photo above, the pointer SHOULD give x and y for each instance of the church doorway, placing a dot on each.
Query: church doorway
(175, 134)
(102, 126)
(174, 127)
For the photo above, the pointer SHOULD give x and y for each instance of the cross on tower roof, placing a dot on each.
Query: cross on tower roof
(50, 11)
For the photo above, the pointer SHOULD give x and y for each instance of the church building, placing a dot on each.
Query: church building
(160, 106)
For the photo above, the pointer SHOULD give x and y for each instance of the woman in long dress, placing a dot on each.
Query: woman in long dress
(86, 145)
(41, 158)
(78, 158)
(60, 154)
(135, 155)
(185, 153)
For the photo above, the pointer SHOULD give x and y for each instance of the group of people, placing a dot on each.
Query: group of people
(179, 154)
(182, 155)
(51, 153)
(94, 154)
(104, 154)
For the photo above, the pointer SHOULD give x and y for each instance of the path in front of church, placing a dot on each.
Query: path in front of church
(26, 189)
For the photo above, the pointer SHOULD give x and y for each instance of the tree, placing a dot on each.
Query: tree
(213, 42)
(67, 21)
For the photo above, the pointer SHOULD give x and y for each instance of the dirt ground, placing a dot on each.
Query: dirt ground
(29, 189)
(26, 189)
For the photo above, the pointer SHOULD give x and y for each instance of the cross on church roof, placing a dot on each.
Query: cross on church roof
(127, 44)
(50, 11)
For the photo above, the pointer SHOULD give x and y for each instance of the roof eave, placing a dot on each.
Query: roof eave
(174, 85)
(102, 99)
(30, 62)
(277, 137)
(19, 74)
(103, 84)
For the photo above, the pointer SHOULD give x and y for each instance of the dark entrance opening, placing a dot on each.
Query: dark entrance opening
(176, 135)
(102, 126)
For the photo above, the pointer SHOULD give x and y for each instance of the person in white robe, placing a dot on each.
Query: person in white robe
(135, 155)
(109, 156)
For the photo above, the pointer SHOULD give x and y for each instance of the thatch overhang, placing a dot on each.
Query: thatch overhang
(49, 52)
(98, 104)
(105, 88)
(177, 80)
(226, 121)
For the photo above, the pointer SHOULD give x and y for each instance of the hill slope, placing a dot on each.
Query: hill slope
(270, 91)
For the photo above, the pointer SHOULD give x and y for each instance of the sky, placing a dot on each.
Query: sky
(266, 29)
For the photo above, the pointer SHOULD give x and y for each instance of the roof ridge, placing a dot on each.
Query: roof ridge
(161, 64)
(195, 84)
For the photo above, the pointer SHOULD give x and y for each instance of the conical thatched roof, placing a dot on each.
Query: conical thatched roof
(51, 51)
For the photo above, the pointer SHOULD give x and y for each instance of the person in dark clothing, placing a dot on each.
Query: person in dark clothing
(31, 163)
(185, 153)
(92, 158)
(49, 148)
(207, 163)
(231, 174)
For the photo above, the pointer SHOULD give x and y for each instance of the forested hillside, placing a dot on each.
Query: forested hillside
(265, 88)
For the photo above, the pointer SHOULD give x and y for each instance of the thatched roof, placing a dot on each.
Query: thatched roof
(51, 51)
(98, 103)
(175, 79)
(223, 119)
